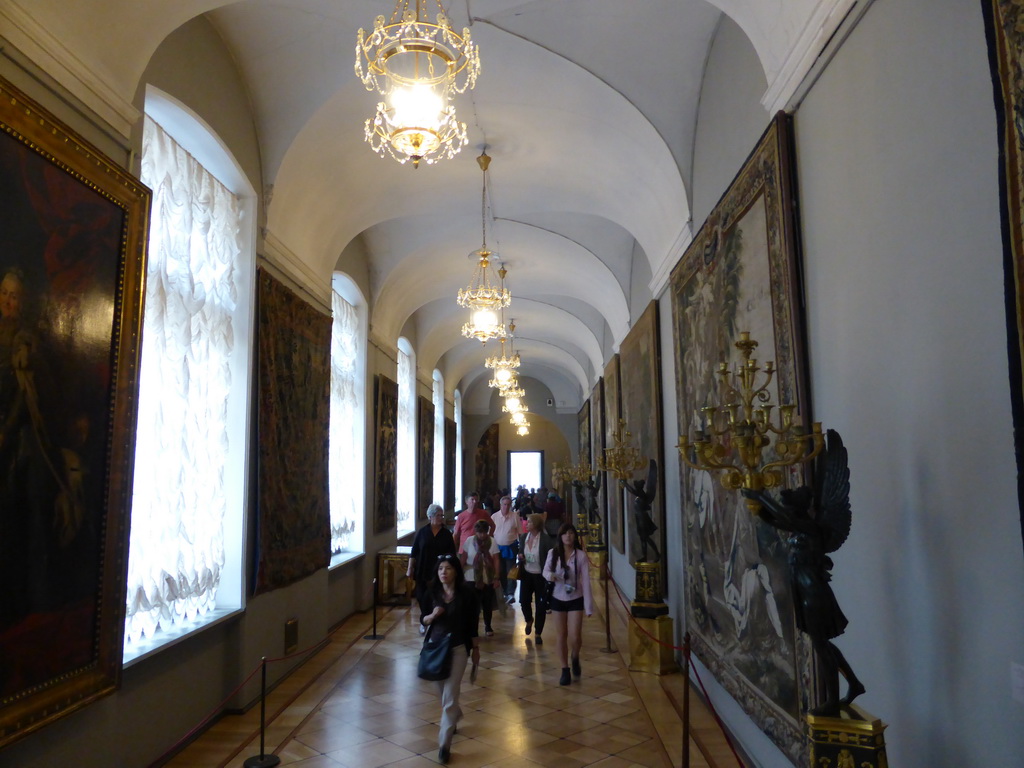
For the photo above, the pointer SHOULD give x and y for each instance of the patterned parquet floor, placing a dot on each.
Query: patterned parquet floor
(357, 703)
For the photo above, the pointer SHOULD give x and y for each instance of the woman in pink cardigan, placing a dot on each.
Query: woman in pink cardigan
(568, 568)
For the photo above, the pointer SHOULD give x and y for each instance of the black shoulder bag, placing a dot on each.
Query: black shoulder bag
(435, 656)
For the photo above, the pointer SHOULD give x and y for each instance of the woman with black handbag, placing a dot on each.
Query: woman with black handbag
(453, 612)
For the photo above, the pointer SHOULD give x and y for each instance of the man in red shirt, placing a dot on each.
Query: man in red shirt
(466, 519)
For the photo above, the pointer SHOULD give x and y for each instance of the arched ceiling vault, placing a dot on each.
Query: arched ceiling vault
(588, 107)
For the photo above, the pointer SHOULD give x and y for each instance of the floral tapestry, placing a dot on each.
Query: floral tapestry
(294, 415)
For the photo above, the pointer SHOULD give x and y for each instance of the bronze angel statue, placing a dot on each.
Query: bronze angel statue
(818, 521)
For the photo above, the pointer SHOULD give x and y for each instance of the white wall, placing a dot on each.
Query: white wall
(896, 157)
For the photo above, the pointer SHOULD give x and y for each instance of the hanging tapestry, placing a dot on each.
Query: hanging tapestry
(487, 461)
(294, 538)
(425, 456)
(616, 531)
(385, 455)
(740, 274)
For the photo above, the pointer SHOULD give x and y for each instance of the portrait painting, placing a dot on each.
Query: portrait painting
(740, 275)
(424, 457)
(616, 531)
(73, 230)
(385, 454)
(294, 343)
(640, 404)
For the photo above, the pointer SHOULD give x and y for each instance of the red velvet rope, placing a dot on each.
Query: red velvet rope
(686, 651)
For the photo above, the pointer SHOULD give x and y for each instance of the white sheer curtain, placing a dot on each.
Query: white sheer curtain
(346, 474)
(406, 441)
(438, 439)
(459, 490)
(177, 537)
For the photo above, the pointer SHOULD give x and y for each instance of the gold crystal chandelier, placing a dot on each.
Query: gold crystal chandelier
(523, 429)
(735, 434)
(484, 298)
(416, 65)
(504, 367)
(514, 401)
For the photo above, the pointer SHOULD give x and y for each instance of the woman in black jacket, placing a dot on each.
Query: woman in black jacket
(533, 553)
(452, 608)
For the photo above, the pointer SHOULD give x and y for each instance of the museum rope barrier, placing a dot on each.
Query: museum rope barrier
(219, 708)
(685, 648)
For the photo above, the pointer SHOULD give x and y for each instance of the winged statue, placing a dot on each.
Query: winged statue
(818, 522)
(643, 492)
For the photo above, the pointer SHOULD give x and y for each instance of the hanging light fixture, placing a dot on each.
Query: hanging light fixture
(516, 419)
(416, 65)
(484, 298)
(523, 429)
(514, 401)
(504, 367)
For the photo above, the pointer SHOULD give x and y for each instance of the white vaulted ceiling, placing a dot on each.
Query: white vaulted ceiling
(588, 107)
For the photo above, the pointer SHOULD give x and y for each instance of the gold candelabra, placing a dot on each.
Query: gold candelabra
(736, 433)
(623, 458)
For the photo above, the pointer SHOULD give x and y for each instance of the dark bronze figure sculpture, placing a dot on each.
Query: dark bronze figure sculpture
(818, 521)
(643, 497)
(586, 497)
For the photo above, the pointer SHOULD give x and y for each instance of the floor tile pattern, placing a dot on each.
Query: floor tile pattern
(357, 703)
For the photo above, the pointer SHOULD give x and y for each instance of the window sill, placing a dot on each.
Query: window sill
(344, 557)
(165, 639)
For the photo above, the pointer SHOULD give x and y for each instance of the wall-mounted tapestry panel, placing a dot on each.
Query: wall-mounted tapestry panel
(385, 454)
(487, 462)
(73, 231)
(616, 530)
(597, 452)
(424, 458)
(294, 419)
(583, 424)
(451, 453)
(640, 404)
(740, 274)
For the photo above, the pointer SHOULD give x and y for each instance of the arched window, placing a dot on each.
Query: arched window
(439, 447)
(406, 463)
(185, 563)
(348, 419)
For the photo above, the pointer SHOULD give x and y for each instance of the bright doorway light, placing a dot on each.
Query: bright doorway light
(525, 468)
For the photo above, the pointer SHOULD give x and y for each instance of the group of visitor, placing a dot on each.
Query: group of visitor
(460, 573)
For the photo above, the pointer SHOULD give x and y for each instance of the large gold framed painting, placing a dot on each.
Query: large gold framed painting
(1004, 31)
(740, 274)
(72, 241)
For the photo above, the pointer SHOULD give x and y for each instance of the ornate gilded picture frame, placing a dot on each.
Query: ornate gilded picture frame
(73, 232)
(740, 273)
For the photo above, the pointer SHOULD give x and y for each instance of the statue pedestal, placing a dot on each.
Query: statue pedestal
(855, 739)
(650, 621)
(598, 558)
(647, 655)
(648, 603)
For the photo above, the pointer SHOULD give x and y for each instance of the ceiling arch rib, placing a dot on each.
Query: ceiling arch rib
(465, 366)
(566, 393)
(539, 262)
(543, 161)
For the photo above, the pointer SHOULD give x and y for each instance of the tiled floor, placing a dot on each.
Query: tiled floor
(357, 703)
